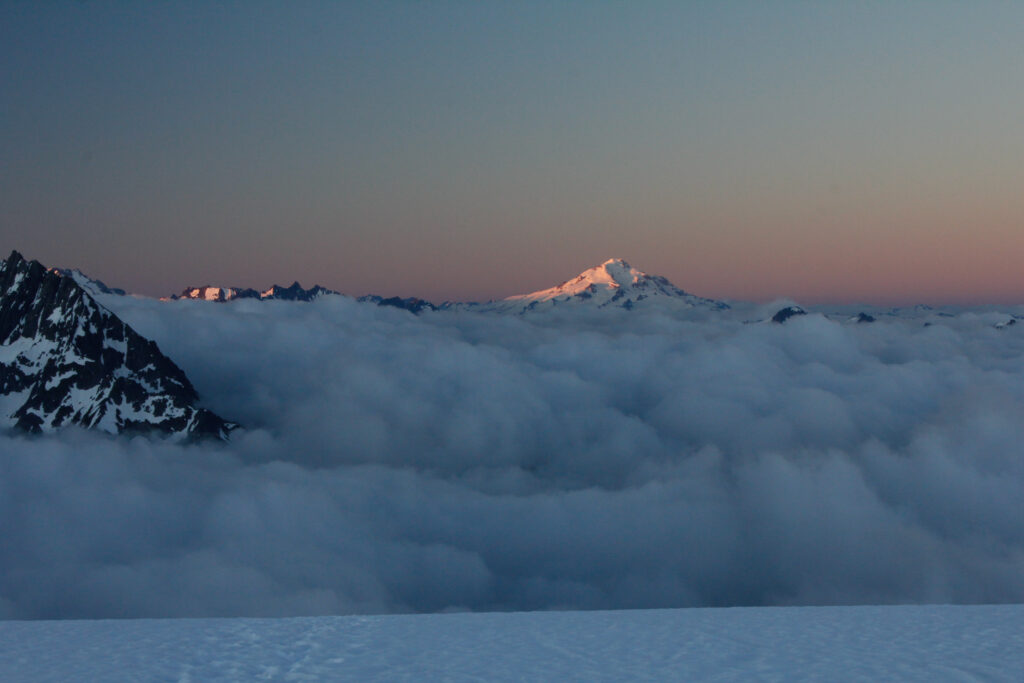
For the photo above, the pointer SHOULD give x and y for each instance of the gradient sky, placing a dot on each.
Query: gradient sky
(866, 151)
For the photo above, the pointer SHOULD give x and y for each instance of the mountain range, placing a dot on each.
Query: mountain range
(612, 284)
(68, 359)
(293, 293)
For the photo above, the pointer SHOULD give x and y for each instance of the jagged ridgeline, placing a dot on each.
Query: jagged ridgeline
(294, 293)
(66, 360)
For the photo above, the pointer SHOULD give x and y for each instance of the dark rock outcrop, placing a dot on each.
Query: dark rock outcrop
(784, 314)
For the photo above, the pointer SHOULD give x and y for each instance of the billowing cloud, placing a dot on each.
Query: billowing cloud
(458, 461)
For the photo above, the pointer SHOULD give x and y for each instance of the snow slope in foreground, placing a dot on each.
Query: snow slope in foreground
(821, 643)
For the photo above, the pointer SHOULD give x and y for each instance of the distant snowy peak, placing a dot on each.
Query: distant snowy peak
(208, 293)
(66, 360)
(293, 293)
(614, 283)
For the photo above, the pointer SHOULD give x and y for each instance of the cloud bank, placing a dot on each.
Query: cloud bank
(456, 461)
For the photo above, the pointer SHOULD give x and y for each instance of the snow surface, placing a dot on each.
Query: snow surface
(925, 643)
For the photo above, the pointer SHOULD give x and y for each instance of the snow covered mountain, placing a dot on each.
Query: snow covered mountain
(66, 360)
(293, 293)
(614, 283)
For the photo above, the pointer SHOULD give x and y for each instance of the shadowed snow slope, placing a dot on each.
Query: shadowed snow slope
(825, 644)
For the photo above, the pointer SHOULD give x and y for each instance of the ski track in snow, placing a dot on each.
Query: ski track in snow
(926, 643)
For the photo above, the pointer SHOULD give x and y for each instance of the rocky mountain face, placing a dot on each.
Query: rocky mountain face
(66, 360)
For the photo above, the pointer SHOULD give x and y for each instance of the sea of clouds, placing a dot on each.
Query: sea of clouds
(464, 461)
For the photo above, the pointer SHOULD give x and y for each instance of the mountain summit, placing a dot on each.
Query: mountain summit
(614, 283)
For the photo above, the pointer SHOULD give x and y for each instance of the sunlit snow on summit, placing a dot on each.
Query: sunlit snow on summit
(613, 283)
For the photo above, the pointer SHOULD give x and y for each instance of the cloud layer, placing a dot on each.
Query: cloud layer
(459, 461)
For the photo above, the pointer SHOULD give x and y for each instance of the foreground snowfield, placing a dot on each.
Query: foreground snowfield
(822, 643)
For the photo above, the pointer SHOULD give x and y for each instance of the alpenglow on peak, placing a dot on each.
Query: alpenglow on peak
(614, 283)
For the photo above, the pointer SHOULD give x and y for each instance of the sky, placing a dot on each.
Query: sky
(821, 151)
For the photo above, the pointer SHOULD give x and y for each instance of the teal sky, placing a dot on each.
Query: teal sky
(866, 151)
